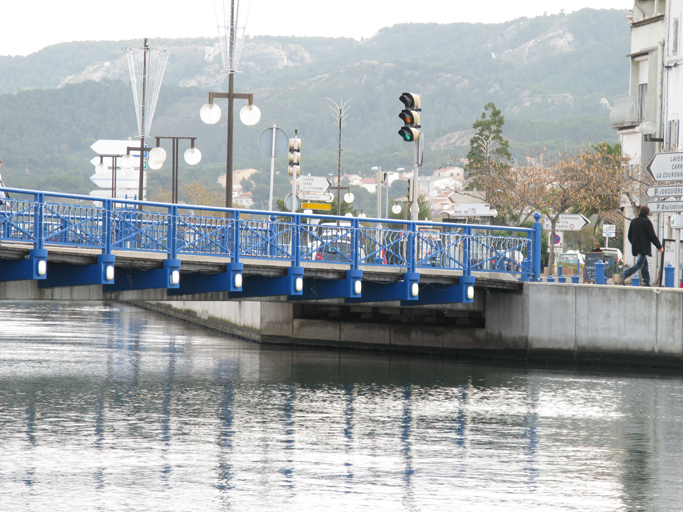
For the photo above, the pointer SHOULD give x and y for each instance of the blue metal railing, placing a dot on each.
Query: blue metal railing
(44, 219)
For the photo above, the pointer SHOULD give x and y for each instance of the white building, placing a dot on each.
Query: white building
(647, 117)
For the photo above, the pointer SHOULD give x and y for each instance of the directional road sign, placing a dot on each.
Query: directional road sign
(115, 147)
(666, 167)
(121, 193)
(316, 206)
(317, 198)
(567, 222)
(664, 191)
(314, 184)
(666, 206)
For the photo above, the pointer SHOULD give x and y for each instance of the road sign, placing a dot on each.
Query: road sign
(317, 206)
(318, 198)
(115, 147)
(470, 209)
(288, 203)
(666, 167)
(121, 193)
(664, 191)
(265, 141)
(123, 180)
(567, 222)
(666, 206)
(314, 184)
(609, 230)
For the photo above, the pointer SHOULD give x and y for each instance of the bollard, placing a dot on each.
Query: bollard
(575, 279)
(635, 280)
(550, 279)
(600, 273)
(560, 277)
(669, 275)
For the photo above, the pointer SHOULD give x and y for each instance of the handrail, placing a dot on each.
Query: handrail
(127, 224)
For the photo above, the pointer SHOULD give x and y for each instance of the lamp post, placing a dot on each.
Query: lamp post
(249, 115)
(157, 157)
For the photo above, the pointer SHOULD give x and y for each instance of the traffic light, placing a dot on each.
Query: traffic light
(294, 168)
(410, 116)
(411, 185)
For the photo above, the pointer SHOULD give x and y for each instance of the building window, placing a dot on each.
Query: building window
(673, 129)
(674, 37)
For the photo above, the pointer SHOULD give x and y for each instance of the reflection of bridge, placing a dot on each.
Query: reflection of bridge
(63, 240)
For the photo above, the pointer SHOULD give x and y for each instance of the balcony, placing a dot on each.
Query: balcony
(629, 110)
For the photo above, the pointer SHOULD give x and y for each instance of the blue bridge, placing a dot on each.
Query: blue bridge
(66, 240)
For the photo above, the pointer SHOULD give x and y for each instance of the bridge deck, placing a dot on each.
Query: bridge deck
(213, 264)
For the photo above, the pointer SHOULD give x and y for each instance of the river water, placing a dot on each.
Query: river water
(115, 408)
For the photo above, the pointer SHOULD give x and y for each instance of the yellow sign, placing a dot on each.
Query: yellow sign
(316, 206)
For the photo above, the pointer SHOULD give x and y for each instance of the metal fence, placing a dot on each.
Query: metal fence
(53, 219)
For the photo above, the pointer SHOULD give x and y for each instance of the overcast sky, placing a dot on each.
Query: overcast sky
(28, 26)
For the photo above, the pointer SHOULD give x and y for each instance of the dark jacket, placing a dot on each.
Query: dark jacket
(641, 233)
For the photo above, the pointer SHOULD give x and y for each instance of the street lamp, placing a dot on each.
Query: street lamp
(249, 115)
(157, 157)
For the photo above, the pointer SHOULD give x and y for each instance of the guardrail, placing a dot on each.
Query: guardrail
(55, 219)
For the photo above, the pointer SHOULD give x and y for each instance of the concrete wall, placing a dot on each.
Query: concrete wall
(547, 321)
(600, 323)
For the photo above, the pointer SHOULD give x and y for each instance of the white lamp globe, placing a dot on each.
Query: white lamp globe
(396, 209)
(155, 166)
(157, 156)
(193, 156)
(127, 161)
(101, 168)
(250, 115)
(210, 113)
(348, 197)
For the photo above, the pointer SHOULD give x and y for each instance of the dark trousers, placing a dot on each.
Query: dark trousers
(641, 264)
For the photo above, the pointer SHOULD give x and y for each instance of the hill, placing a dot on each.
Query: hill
(554, 78)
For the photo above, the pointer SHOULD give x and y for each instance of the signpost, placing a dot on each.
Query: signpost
(664, 191)
(314, 184)
(317, 206)
(318, 198)
(666, 206)
(609, 231)
(567, 222)
(666, 167)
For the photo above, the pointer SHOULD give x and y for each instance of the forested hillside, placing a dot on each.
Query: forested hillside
(553, 77)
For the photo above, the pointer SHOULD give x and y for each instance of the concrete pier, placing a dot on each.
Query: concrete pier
(544, 321)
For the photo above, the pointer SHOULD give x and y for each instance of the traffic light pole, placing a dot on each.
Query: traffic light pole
(419, 150)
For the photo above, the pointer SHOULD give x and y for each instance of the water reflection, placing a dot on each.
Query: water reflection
(116, 408)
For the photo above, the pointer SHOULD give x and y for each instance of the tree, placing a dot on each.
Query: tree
(489, 156)
(582, 181)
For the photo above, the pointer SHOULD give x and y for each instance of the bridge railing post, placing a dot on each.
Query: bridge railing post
(172, 232)
(296, 248)
(107, 221)
(413, 256)
(236, 236)
(537, 237)
(467, 267)
(39, 221)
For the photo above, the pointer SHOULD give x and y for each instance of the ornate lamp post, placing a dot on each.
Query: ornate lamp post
(157, 157)
(231, 25)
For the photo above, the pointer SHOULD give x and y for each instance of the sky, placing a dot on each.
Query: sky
(29, 26)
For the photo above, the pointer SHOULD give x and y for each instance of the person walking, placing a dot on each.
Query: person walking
(641, 234)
